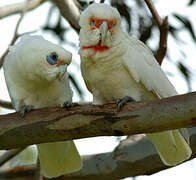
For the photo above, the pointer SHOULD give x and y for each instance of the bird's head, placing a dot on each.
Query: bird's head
(40, 59)
(99, 26)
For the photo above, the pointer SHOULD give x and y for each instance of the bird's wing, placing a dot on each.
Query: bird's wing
(144, 68)
(88, 85)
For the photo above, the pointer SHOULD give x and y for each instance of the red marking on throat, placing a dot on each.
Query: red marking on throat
(96, 48)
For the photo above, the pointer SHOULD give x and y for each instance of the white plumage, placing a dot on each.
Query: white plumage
(115, 65)
(36, 76)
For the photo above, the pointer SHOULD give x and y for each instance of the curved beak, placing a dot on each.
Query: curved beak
(103, 30)
(62, 69)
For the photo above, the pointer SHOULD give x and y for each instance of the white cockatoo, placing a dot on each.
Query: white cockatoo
(36, 76)
(115, 66)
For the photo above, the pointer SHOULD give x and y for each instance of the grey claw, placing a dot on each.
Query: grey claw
(68, 104)
(24, 110)
(121, 102)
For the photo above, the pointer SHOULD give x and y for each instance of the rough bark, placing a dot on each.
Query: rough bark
(58, 124)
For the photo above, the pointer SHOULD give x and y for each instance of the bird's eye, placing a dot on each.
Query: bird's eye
(92, 23)
(52, 58)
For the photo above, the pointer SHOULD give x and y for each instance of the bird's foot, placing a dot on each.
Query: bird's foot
(121, 102)
(25, 109)
(69, 104)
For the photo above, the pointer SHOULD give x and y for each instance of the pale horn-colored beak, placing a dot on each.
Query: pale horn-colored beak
(103, 30)
(62, 70)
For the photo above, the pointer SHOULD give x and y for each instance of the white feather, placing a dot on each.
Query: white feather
(142, 65)
(127, 68)
(32, 81)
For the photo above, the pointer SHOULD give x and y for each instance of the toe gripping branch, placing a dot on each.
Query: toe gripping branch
(121, 102)
(25, 109)
(69, 104)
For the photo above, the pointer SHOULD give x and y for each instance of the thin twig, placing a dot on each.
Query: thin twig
(163, 28)
(16, 8)
(77, 3)
(6, 104)
(163, 41)
(16, 35)
(154, 12)
(70, 11)
(9, 155)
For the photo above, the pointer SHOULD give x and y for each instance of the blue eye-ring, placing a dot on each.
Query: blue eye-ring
(52, 58)
(92, 23)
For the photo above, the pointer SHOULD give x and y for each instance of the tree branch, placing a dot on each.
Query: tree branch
(70, 12)
(163, 41)
(16, 35)
(6, 104)
(9, 155)
(58, 124)
(19, 7)
(163, 28)
(130, 158)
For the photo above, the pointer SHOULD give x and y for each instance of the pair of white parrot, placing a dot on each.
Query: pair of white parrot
(114, 67)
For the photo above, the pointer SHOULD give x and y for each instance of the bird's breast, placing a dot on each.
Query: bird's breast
(109, 81)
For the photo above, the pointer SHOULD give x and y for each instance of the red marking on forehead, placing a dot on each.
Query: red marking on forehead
(99, 21)
(96, 48)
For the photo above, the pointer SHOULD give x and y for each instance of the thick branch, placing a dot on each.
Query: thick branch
(58, 124)
(163, 28)
(19, 7)
(133, 157)
(69, 11)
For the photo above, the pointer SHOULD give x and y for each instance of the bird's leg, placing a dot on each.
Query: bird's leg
(68, 104)
(25, 109)
(121, 102)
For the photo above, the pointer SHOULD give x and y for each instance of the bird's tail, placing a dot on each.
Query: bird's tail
(58, 158)
(171, 146)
